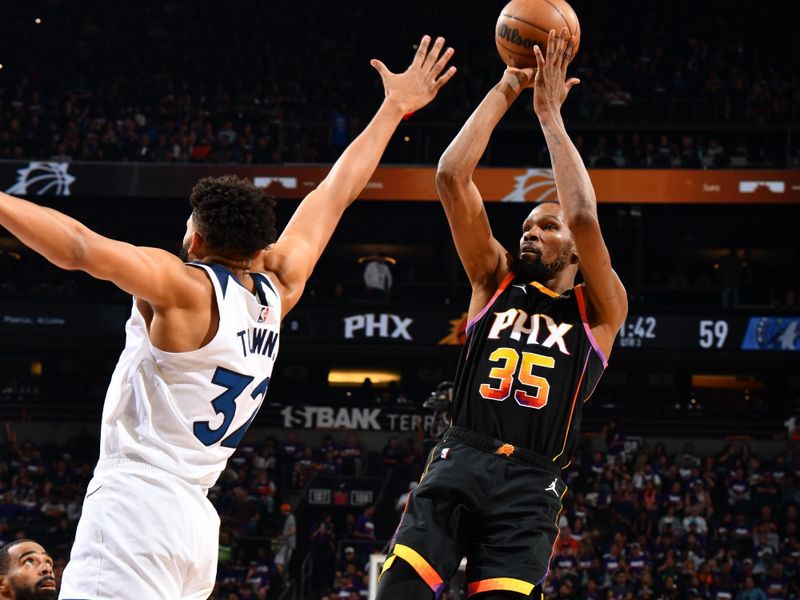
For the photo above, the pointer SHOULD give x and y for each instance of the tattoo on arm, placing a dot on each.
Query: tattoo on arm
(510, 86)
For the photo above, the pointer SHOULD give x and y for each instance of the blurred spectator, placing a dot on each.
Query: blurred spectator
(352, 456)
(378, 276)
(287, 541)
(253, 103)
(400, 504)
(707, 545)
(322, 550)
(731, 274)
(750, 592)
(393, 455)
(364, 532)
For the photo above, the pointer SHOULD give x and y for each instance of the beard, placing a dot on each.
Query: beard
(533, 268)
(35, 593)
(183, 254)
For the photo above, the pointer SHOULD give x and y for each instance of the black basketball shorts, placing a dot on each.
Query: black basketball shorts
(485, 500)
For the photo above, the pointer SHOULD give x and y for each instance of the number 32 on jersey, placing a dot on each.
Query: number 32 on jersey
(509, 360)
(225, 405)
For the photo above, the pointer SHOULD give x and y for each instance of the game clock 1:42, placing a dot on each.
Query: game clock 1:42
(636, 330)
(681, 332)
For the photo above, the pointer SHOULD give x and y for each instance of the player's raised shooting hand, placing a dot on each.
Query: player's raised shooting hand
(551, 85)
(419, 84)
(518, 79)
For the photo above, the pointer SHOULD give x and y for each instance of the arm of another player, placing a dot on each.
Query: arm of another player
(607, 299)
(151, 274)
(483, 257)
(293, 256)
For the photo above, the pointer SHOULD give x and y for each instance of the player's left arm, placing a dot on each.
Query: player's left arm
(293, 257)
(607, 301)
(151, 274)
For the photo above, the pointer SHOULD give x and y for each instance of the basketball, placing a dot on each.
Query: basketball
(524, 24)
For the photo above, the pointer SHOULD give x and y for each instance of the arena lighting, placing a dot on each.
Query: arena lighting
(38, 21)
(389, 259)
(355, 377)
(731, 382)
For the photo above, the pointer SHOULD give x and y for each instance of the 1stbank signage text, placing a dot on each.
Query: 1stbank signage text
(382, 325)
(374, 419)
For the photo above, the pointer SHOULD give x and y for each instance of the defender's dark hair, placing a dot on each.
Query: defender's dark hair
(234, 217)
(5, 557)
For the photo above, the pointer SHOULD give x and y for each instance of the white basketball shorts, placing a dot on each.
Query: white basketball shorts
(143, 534)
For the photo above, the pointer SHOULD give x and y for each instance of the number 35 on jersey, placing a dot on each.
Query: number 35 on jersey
(529, 368)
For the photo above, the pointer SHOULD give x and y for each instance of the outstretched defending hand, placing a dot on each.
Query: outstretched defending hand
(418, 85)
(550, 87)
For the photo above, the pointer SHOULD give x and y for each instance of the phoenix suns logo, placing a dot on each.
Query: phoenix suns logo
(40, 178)
(458, 332)
(534, 185)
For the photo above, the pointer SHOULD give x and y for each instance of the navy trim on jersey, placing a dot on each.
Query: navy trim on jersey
(260, 280)
(222, 274)
(267, 282)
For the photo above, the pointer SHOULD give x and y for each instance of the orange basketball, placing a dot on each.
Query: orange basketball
(524, 24)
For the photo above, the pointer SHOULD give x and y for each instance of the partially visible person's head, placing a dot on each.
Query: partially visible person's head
(26, 572)
(231, 218)
(546, 246)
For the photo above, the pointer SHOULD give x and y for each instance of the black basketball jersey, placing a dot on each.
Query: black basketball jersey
(528, 364)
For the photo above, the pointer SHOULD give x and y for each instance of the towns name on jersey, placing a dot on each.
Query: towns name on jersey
(515, 323)
(257, 340)
(375, 419)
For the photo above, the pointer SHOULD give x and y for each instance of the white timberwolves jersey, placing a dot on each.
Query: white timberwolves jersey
(186, 412)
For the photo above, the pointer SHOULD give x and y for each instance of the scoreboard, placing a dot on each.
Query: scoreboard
(712, 332)
(715, 330)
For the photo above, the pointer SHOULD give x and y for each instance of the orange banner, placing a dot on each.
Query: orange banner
(534, 185)
(153, 180)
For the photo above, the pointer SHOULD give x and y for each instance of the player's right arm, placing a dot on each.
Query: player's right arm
(150, 274)
(483, 257)
(293, 257)
(607, 300)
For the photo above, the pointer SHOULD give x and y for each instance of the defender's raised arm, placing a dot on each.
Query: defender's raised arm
(293, 256)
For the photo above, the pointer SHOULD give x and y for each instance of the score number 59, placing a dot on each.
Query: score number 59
(713, 334)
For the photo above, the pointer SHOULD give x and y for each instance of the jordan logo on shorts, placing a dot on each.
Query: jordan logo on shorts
(552, 487)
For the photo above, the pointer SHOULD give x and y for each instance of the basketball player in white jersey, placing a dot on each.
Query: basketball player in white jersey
(201, 343)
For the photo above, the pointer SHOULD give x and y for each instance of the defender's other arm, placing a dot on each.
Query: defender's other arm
(151, 274)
